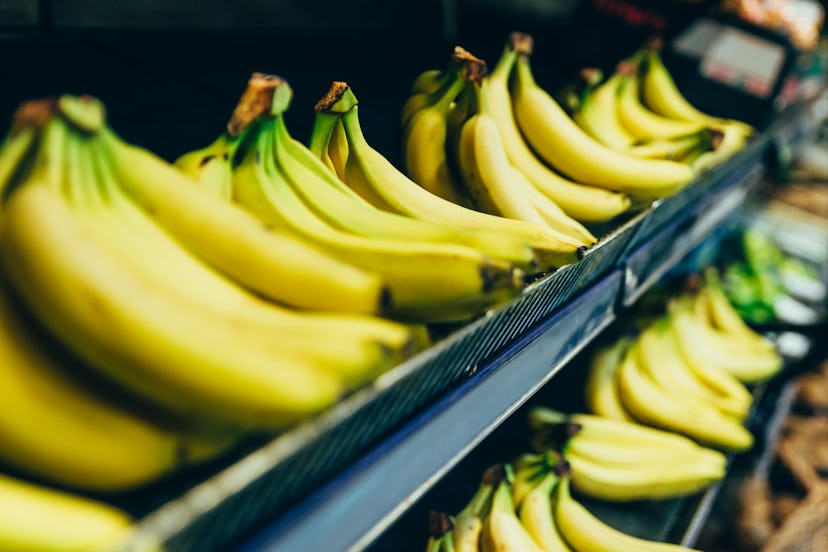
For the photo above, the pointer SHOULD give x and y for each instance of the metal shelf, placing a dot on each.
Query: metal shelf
(365, 499)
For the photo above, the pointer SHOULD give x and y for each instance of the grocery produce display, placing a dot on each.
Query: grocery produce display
(662, 400)
(159, 317)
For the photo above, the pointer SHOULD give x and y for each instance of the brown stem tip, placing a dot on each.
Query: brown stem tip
(473, 67)
(439, 524)
(494, 475)
(626, 67)
(562, 468)
(256, 101)
(334, 94)
(34, 114)
(655, 44)
(522, 43)
(716, 139)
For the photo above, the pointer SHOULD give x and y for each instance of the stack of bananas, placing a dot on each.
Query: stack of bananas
(439, 262)
(511, 150)
(686, 372)
(528, 506)
(141, 332)
(639, 111)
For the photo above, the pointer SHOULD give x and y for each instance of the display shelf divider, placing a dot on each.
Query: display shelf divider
(362, 501)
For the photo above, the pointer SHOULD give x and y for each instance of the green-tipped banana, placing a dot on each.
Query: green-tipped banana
(598, 115)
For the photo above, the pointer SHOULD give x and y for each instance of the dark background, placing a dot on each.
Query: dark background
(170, 72)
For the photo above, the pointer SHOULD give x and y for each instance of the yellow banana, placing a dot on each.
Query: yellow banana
(583, 203)
(561, 143)
(535, 514)
(722, 314)
(424, 147)
(502, 530)
(211, 166)
(66, 430)
(646, 480)
(343, 208)
(662, 96)
(412, 269)
(676, 148)
(41, 519)
(550, 212)
(643, 123)
(601, 390)
(367, 168)
(654, 406)
(732, 140)
(274, 264)
(468, 523)
(583, 531)
(598, 428)
(428, 81)
(658, 352)
(599, 115)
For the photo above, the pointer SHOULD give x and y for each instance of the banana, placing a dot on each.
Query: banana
(723, 315)
(40, 519)
(356, 355)
(107, 313)
(598, 115)
(562, 144)
(583, 531)
(657, 407)
(412, 269)
(646, 480)
(12, 151)
(275, 264)
(535, 513)
(468, 523)
(486, 170)
(685, 331)
(367, 168)
(732, 140)
(658, 353)
(663, 97)
(749, 362)
(428, 81)
(502, 530)
(211, 166)
(552, 214)
(343, 208)
(677, 148)
(328, 143)
(72, 432)
(643, 123)
(583, 203)
(424, 146)
(601, 391)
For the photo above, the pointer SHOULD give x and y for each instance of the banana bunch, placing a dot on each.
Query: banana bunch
(110, 251)
(433, 269)
(531, 509)
(461, 142)
(646, 116)
(40, 519)
(622, 461)
(337, 139)
(686, 372)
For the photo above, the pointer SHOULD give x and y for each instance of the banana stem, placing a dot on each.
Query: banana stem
(504, 65)
(522, 43)
(83, 112)
(541, 417)
(339, 99)
(265, 95)
(439, 524)
(323, 126)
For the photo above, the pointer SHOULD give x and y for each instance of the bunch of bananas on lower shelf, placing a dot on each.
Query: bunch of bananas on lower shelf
(687, 371)
(529, 507)
(639, 111)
